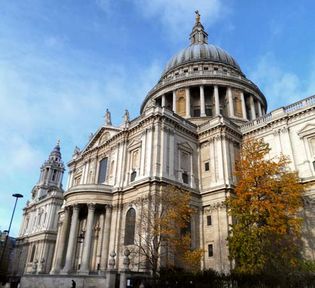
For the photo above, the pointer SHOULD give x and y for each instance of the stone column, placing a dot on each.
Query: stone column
(61, 245)
(259, 109)
(230, 98)
(72, 239)
(106, 234)
(243, 105)
(87, 240)
(163, 100)
(174, 101)
(252, 107)
(216, 99)
(188, 103)
(202, 101)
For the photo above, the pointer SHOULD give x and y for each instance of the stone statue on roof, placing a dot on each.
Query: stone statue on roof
(126, 116)
(108, 118)
(197, 16)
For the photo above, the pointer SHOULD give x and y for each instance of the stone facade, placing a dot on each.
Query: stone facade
(189, 132)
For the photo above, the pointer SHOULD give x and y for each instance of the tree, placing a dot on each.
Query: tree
(266, 229)
(163, 230)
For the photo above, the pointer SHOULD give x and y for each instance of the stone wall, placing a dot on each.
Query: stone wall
(60, 281)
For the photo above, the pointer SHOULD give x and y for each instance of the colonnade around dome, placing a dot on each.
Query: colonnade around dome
(210, 101)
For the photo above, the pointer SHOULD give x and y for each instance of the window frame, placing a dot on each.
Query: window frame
(130, 227)
(210, 250)
(209, 220)
(99, 170)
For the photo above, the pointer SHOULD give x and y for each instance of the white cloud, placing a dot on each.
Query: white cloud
(178, 15)
(280, 87)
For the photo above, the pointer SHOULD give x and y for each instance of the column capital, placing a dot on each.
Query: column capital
(75, 207)
(67, 208)
(91, 206)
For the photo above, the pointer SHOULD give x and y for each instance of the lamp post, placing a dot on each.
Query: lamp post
(17, 196)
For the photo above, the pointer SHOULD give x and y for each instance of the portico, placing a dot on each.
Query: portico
(83, 239)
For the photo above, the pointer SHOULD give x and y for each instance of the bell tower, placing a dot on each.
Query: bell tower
(51, 173)
(37, 238)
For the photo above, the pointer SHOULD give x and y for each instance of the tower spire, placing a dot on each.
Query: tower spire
(198, 34)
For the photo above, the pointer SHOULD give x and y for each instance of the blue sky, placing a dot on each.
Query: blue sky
(63, 62)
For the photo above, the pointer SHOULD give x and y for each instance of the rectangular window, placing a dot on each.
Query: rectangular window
(210, 250)
(185, 177)
(209, 220)
(207, 166)
(102, 171)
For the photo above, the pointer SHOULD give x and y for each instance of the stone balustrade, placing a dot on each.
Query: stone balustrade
(276, 114)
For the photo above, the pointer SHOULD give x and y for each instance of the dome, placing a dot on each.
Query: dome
(201, 52)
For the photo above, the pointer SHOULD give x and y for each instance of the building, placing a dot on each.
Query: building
(7, 245)
(188, 133)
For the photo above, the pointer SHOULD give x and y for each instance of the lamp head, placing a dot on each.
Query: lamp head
(17, 195)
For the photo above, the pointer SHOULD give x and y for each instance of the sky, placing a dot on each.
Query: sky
(64, 62)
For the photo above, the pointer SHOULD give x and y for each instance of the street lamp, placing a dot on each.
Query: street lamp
(17, 196)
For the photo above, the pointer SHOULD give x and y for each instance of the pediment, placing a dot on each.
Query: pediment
(307, 131)
(185, 146)
(134, 143)
(101, 136)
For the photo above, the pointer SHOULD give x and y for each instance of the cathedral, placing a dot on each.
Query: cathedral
(188, 134)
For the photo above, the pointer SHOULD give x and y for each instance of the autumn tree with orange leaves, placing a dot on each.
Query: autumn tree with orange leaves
(163, 230)
(266, 230)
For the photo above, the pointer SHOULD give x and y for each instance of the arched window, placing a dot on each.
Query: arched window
(33, 253)
(53, 178)
(102, 171)
(130, 227)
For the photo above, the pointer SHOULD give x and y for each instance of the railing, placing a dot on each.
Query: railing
(307, 102)
(300, 104)
(90, 188)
